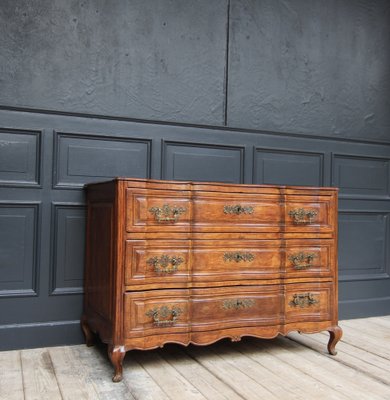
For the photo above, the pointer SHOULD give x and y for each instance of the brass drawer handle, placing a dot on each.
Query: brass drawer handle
(302, 260)
(302, 216)
(303, 300)
(162, 264)
(238, 209)
(164, 316)
(166, 213)
(237, 257)
(236, 304)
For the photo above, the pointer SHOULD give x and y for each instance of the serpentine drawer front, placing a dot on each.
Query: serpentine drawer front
(195, 262)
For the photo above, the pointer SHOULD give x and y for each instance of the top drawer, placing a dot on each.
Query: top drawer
(186, 211)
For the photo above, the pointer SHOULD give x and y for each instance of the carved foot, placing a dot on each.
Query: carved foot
(89, 335)
(116, 355)
(335, 335)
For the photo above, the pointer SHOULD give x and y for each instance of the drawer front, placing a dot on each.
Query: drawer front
(156, 312)
(158, 211)
(310, 258)
(310, 214)
(229, 261)
(157, 262)
(223, 308)
(306, 302)
(178, 263)
(236, 213)
(182, 262)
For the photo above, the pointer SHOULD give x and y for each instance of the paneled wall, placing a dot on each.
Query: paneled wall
(46, 159)
(256, 91)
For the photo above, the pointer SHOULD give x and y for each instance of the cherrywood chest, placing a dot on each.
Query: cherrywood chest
(193, 262)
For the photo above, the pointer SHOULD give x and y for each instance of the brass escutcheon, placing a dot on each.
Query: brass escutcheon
(166, 213)
(238, 209)
(161, 315)
(237, 257)
(302, 216)
(303, 300)
(236, 304)
(302, 260)
(162, 264)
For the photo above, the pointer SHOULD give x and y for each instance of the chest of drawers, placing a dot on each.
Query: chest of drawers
(192, 262)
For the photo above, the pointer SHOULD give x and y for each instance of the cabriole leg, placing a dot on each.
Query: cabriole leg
(89, 335)
(116, 355)
(335, 335)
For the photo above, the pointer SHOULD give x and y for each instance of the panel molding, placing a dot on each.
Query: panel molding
(303, 153)
(114, 138)
(51, 113)
(362, 157)
(36, 182)
(210, 146)
(33, 290)
(55, 289)
(385, 272)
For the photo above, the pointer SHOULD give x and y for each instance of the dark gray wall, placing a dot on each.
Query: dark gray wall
(210, 80)
(310, 66)
(161, 60)
(305, 66)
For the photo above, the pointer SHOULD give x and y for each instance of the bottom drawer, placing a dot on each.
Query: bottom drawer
(156, 312)
(182, 311)
(308, 302)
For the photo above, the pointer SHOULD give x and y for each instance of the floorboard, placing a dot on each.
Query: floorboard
(39, 380)
(203, 379)
(237, 380)
(11, 376)
(300, 383)
(167, 377)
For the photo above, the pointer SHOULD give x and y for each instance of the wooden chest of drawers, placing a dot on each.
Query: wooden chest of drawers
(189, 262)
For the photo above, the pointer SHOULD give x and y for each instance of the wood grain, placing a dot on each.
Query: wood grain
(191, 262)
(39, 380)
(11, 376)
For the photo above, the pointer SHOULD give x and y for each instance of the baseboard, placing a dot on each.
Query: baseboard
(55, 333)
(361, 308)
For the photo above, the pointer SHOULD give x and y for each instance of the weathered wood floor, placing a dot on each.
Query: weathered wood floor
(296, 367)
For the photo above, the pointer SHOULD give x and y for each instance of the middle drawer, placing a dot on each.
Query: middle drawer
(183, 262)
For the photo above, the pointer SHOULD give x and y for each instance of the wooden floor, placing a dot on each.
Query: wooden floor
(296, 367)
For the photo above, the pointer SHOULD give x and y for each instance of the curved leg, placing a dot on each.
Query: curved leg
(116, 355)
(89, 336)
(335, 333)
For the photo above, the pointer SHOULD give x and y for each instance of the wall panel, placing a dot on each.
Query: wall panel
(288, 167)
(69, 222)
(191, 161)
(364, 245)
(90, 158)
(18, 249)
(19, 157)
(358, 176)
